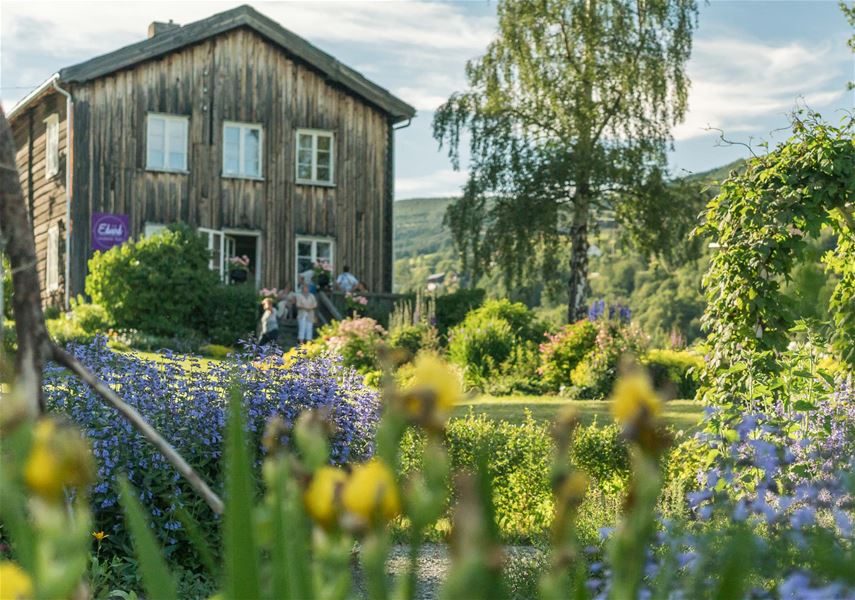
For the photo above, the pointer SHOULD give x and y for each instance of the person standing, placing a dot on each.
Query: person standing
(269, 322)
(306, 306)
(347, 281)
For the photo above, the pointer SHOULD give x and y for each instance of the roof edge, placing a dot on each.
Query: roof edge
(32, 96)
(242, 16)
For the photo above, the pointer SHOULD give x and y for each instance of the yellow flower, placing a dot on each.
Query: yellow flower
(434, 389)
(15, 584)
(59, 457)
(320, 498)
(634, 396)
(371, 493)
(99, 535)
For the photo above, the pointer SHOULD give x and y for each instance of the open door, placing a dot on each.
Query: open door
(216, 246)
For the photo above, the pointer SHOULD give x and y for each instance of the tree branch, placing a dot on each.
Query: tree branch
(140, 424)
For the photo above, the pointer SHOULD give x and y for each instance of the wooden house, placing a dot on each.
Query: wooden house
(268, 146)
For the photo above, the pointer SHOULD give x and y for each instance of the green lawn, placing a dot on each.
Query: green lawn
(682, 414)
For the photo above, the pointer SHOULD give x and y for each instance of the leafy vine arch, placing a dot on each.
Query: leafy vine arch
(762, 221)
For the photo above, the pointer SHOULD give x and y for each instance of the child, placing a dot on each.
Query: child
(269, 322)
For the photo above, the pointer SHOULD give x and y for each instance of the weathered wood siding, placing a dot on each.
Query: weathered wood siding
(45, 196)
(235, 77)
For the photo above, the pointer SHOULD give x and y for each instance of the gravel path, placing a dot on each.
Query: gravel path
(433, 565)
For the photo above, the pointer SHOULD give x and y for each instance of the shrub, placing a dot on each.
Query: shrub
(65, 330)
(602, 453)
(452, 308)
(92, 318)
(354, 339)
(495, 340)
(229, 314)
(414, 338)
(10, 337)
(187, 403)
(158, 284)
(562, 351)
(677, 372)
(215, 351)
(595, 374)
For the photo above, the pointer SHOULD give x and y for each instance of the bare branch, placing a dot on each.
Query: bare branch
(140, 424)
(727, 142)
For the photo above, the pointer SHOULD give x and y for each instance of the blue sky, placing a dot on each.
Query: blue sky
(752, 62)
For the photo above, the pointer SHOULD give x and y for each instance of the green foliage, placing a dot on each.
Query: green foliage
(563, 351)
(158, 284)
(602, 453)
(547, 111)
(157, 579)
(91, 318)
(452, 308)
(595, 374)
(763, 221)
(355, 340)
(498, 339)
(676, 373)
(65, 329)
(215, 351)
(229, 313)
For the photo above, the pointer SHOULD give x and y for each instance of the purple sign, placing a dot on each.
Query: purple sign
(109, 230)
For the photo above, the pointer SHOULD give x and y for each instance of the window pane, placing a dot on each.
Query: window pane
(324, 143)
(155, 142)
(303, 264)
(304, 249)
(251, 148)
(304, 171)
(324, 174)
(324, 250)
(177, 132)
(304, 141)
(231, 150)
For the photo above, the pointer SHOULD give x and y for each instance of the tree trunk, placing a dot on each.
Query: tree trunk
(577, 307)
(16, 240)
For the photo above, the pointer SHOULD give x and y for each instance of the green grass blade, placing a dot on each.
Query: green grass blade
(157, 579)
(197, 538)
(241, 552)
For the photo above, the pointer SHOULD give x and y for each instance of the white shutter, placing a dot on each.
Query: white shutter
(51, 146)
(52, 260)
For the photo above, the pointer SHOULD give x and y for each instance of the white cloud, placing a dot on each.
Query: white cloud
(445, 182)
(734, 81)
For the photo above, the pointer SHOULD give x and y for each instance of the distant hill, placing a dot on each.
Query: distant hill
(423, 245)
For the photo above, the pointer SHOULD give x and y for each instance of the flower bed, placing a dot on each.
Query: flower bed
(187, 404)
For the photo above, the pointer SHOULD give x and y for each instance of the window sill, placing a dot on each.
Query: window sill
(243, 177)
(168, 171)
(315, 183)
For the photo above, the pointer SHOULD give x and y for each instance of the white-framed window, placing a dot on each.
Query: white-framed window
(315, 157)
(52, 259)
(51, 146)
(166, 142)
(311, 250)
(242, 143)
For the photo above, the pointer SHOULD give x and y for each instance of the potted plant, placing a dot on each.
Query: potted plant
(355, 303)
(323, 274)
(238, 268)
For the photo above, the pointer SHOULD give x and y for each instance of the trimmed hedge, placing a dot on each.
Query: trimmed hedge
(677, 372)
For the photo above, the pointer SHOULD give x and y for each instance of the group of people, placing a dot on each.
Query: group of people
(304, 303)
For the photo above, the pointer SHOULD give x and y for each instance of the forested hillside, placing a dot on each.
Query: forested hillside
(664, 295)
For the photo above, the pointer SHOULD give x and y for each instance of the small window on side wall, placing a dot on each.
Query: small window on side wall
(166, 143)
(51, 146)
(315, 157)
(242, 143)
